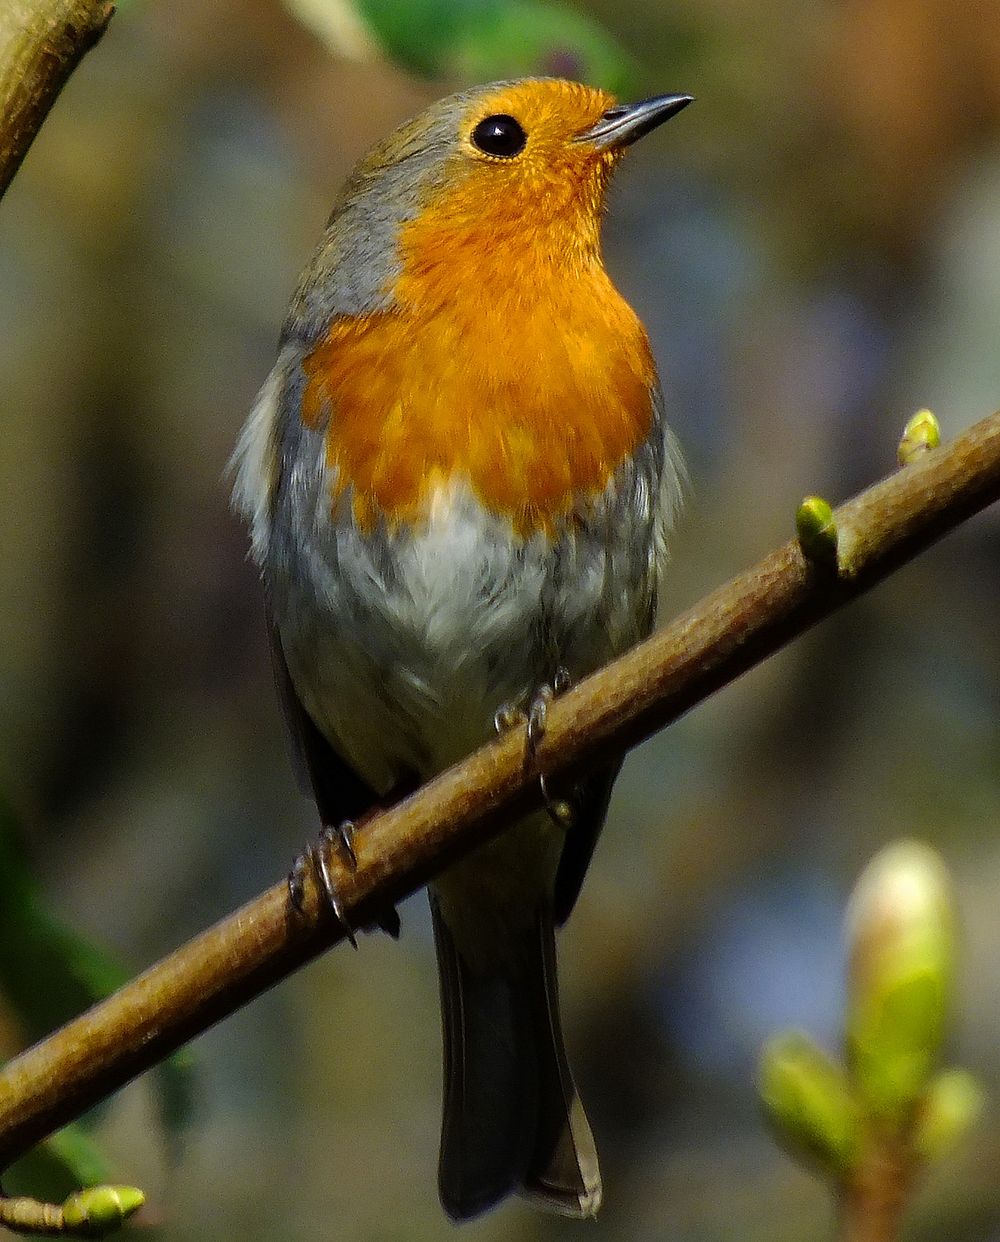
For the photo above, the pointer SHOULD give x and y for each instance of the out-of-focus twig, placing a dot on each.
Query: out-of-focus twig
(41, 43)
(874, 1200)
(91, 1213)
(399, 850)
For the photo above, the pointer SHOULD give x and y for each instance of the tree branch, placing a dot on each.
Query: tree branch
(400, 849)
(41, 43)
(875, 1197)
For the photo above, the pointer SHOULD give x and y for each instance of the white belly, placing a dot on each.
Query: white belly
(402, 647)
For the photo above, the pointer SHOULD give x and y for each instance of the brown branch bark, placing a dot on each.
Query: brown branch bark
(875, 1197)
(41, 43)
(717, 640)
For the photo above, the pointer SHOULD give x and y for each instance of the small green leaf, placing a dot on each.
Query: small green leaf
(809, 1102)
(894, 1043)
(82, 1161)
(950, 1106)
(57, 1166)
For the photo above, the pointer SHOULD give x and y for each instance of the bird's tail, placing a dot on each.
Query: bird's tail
(512, 1117)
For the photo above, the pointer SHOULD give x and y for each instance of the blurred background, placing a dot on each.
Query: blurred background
(815, 248)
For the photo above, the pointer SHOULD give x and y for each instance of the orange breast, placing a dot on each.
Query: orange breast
(532, 387)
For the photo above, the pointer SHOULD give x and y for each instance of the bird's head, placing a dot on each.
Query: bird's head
(513, 173)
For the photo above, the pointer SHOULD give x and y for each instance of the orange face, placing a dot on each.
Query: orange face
(548, 196)
(508, 360)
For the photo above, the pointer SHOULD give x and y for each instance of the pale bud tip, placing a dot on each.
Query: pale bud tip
(816, 529)
(921, 433)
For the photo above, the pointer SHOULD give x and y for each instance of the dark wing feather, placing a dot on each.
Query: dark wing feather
(591, 795)
(339, 792)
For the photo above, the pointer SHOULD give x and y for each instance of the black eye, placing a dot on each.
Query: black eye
(499, 135)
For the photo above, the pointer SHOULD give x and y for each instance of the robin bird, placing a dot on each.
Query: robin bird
(459, 480)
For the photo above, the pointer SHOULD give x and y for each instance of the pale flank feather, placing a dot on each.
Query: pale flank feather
(254, 463)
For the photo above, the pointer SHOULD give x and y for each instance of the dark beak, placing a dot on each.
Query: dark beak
(622, 125)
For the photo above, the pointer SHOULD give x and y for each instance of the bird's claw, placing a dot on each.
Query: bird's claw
(343, 836)
(316, 858)
(538, 708)
(559, 809)
(538, 715)
(506, 717)
(509, 716)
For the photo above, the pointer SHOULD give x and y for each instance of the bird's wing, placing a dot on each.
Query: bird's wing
(339, 791)
(663, 467)
(260, 464)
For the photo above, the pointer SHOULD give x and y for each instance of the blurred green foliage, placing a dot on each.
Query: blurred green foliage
(476, 40)
(874, 1126)
(483, 39)
(49, 973)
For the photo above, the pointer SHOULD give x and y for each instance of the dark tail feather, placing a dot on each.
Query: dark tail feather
(512, 1118)
(564, 1173)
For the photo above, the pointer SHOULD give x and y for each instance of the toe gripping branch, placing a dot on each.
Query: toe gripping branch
(316, 858)
(535, 719)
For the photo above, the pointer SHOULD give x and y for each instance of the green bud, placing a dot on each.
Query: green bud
(902, 949)
(808, 1100)
(99, 1210)
(921, 433)
(817, 530)
(951, 1104)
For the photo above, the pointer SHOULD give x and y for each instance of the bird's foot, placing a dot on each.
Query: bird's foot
(316, 858)
(508, 716)
(538, 709)
(535, 720)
